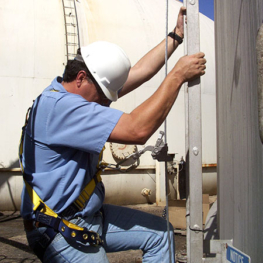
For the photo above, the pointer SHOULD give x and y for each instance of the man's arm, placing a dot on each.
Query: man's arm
(153, 61)
(142, 122)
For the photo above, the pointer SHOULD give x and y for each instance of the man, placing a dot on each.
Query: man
(69, 124)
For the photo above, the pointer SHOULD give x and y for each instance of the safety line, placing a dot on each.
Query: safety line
(165, 138)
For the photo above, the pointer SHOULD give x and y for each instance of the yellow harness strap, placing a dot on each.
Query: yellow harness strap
(46, 215)
(36, 200)
(87, 191)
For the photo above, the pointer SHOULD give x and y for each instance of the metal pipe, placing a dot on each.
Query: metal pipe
(9, 170)
(142, 167)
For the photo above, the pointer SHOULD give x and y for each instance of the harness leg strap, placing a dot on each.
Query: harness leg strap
(69, 230)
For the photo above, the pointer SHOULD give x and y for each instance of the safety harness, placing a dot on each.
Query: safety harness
(57, 223)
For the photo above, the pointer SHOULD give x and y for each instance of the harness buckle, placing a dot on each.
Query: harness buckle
(39, 206)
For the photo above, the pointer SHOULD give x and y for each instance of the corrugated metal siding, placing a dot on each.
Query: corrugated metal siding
(240, 152)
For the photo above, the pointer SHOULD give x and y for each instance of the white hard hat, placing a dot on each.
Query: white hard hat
(109, 65)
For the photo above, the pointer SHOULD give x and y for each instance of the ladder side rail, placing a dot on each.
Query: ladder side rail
(65, 22)
(71, 28)
(77, 23)
(188, 231)
(195, 140)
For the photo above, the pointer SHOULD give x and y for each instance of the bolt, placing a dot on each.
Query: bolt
(195, 151)
(196, 227)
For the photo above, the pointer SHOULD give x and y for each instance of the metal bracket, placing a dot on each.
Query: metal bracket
(160, 150)
(218, 247)
(159, 153)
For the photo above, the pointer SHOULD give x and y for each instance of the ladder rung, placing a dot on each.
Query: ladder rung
(71, 44)
(71, 34)
(70, 15)
(70, 24)
(69, 7)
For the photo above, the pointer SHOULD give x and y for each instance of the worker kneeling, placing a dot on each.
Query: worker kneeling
(61, 146)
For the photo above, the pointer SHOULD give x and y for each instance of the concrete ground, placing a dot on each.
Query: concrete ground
(14, 247)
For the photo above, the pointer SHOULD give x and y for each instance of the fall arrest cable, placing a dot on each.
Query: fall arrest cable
(165, 135)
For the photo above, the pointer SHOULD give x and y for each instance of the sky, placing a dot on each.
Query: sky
(206, 7)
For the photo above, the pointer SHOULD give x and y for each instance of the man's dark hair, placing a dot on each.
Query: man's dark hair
(72, 69)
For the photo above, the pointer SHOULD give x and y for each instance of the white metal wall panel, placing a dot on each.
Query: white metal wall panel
(33, 52)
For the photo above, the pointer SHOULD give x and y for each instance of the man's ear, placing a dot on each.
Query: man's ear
(80, 77)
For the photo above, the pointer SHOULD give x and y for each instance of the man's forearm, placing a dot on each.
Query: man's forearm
(153, 61)
(142, 122)
(148, 66)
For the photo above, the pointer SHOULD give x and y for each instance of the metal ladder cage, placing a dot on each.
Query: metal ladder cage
(71, 28)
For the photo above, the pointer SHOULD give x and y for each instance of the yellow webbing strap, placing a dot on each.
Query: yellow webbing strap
(89, 188)
(36, 200)
(71, 225)
(87, 191)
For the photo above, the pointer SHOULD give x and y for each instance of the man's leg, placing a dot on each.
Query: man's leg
(125, 229)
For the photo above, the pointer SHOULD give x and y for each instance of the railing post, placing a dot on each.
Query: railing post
(194, 144)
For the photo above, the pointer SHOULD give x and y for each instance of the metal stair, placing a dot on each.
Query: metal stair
(71, 28)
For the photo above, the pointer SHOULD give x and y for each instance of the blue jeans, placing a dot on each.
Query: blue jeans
(121, 229)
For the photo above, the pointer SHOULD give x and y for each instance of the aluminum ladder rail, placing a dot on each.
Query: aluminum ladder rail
(71, 28)
(193, 142)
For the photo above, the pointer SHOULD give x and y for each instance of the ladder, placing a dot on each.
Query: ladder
(193, 142)
(71, 28)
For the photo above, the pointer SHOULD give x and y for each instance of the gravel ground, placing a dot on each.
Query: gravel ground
(14, 247)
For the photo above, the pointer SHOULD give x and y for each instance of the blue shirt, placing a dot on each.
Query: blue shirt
(62, 142)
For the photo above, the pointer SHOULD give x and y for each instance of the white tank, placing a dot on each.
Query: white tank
(34, 51)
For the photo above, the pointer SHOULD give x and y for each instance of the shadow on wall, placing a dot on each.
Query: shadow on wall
(237, 58)
(9, 192)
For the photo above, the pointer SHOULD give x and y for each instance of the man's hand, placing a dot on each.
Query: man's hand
(190, 67)
(179, 29)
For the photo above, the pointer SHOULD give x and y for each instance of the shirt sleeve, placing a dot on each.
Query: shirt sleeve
(77, 123)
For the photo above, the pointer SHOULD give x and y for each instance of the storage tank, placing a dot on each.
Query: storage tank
(39, 36)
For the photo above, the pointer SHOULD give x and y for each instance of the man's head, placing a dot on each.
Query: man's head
(105, 64)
